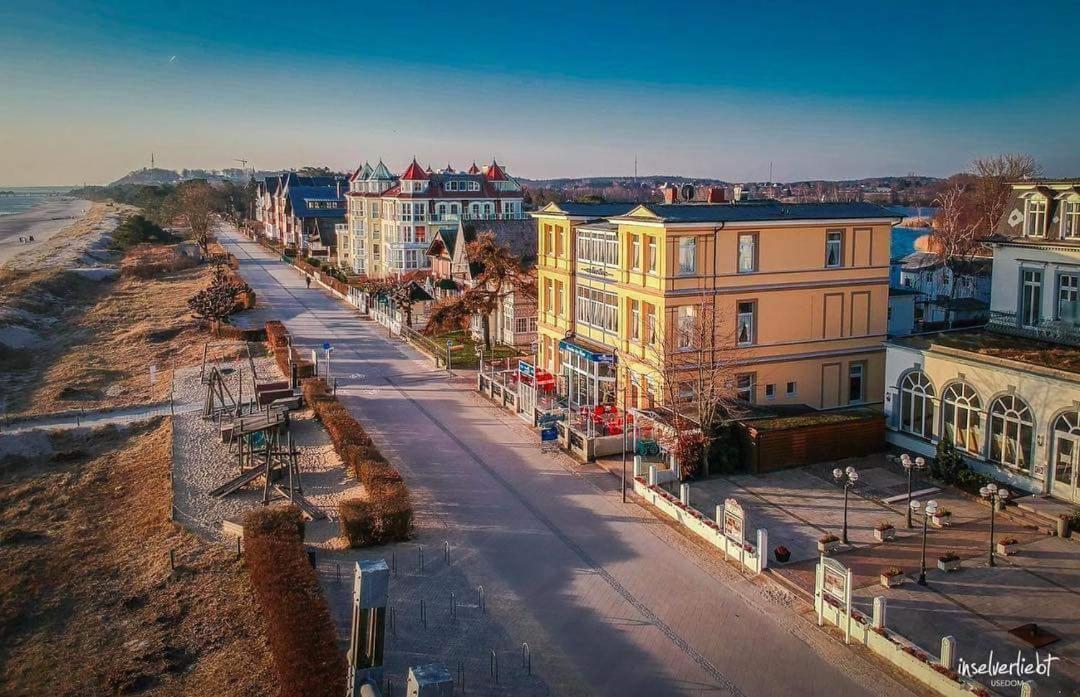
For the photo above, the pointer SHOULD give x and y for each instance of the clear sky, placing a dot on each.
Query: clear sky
(820, 89)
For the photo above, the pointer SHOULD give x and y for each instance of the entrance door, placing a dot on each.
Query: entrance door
(1066, 450)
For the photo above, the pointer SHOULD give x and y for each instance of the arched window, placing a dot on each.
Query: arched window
(961, 421)
(1012, 430)
(917, 405)
(1066, 453)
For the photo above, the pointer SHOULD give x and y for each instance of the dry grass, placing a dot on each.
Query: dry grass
(102, 357)
(88, 602)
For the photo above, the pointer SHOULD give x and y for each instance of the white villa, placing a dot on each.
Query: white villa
(1008, 395)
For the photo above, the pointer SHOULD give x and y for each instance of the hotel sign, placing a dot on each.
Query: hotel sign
(834, 580)
(586, 353)
(734, 520)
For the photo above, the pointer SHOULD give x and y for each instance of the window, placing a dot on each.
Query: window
(961, 420)
(598, 309)
(558, 240)
(745, 323)
(917, 405)
(549, 296)
(635, 320)
(856, 373)
(1035, 216)
(1031, 297)
(791, 389)
(747, 252)
(744, 388)
(770, 391)
(599, 247)
(1012, 431)
(652, 255)
(635, 252)
(1068, 295)
(650, 324)
(687, 255)
(559, 302)
(684, 327)
(549, 240)
(834, 243)
(524, 325)
(1070, 219)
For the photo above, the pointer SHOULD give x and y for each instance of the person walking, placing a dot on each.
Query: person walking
(307, 279)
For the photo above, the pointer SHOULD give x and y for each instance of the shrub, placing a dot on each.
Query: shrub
(139, 230)
(303, 639)
(1008, 541)
(276, 334)
(884, 525)
(690, 453)
(949, 556)
(827, 538)
(380, 518)
(947, 463)
(890, 571)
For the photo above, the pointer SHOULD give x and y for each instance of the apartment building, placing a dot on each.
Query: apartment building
(1006, 395)
(800, 290)
(391, 220)
(302, 212)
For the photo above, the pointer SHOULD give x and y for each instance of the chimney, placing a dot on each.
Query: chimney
(715, 194)
(671, 193)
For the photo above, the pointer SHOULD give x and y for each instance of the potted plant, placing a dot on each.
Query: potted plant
(884, 531)
(782, 554)
(950, 561)
(1007, 546)
(828, 543)
(892, 576)
(941, 518)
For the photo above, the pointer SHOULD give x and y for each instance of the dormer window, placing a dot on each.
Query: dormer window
(1070, 218)
(1035, 217)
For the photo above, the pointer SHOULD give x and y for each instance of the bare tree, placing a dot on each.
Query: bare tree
(196, 205)
(695, 365)
(992, 185)
(216, 302)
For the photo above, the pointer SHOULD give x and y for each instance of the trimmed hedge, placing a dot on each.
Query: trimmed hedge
(303, 639)
(385, 513)
(277, 336)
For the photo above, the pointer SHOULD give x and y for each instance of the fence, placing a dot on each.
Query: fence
(766, 449)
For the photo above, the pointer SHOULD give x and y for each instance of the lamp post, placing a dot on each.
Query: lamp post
(846, 478)
(993, 494)
(909, 465)
(930, 509)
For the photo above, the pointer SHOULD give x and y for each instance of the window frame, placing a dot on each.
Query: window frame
(1070, 213)
(690, 242)
(960, 397)
(1011, 416)
(1035, 208)
(652, 262)
(739, 315)
(861, 366)
(839, 243)
(752, 237)
(916, 386)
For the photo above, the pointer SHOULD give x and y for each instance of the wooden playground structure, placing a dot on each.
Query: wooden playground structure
(257, 430)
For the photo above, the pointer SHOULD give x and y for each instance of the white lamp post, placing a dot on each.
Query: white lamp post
(846, 478)
(929, 510)
(992, 493)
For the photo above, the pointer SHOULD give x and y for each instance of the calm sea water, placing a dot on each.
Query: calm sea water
(16, 199)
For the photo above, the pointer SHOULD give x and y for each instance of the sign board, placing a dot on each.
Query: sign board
(586, 353)
(834, 580)
(547, 434)
(326, 346)
(734, 520)
(526, 369)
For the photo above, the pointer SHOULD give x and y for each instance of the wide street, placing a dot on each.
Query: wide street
(609, 600)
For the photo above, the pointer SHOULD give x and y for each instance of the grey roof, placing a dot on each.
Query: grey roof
(300, 195)
(518, 235)
(754, 211)
(897, 291)
(1011, 224)
(593, 210)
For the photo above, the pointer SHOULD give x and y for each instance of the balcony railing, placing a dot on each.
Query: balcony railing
(1055, 331)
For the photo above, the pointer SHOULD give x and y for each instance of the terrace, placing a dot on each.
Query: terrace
(1019, 346)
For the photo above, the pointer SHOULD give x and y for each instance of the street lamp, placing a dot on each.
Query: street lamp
(846, 478)
(930, 509)
(918, 464)
(994, 495)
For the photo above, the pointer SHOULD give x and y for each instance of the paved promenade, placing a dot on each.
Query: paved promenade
(609, 600)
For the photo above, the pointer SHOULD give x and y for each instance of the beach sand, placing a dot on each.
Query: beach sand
(42, 222)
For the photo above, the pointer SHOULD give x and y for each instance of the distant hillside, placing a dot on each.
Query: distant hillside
(148, 176)
(906, 181)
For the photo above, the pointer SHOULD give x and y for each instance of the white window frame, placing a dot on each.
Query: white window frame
(747, 241)
(747, 318)
(834, 238)
(917, 389)
(1035, 208)
(1070, 218)
(1015, 413)
(687, 255)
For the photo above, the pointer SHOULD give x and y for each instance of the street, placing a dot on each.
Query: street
(609, 600)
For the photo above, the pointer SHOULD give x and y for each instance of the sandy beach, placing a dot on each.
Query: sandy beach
(42, 222)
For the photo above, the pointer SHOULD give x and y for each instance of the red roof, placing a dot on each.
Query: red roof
(414, 172)
(474, 169)
(495, 173)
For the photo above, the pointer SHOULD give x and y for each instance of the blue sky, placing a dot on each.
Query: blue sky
(88, 90)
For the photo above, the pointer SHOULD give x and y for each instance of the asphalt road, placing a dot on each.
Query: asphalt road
(611, 601)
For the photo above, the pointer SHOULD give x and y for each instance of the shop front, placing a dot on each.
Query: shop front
(590, 374)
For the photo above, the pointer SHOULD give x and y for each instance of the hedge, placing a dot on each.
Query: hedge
(385, 513)
(303, 639)
(277, 336)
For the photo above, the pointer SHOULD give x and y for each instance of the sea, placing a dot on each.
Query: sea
(16, 199)
(903, 238)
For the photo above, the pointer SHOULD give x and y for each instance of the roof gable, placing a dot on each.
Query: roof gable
(415, 172)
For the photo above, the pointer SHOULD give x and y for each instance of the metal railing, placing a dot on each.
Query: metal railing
(1055, 331)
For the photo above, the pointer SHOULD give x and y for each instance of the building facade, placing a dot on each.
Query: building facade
(799, 292)
(1007, 396)
(301, 212)
(392, 219)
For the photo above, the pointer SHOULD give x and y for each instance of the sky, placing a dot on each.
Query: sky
(720, 89)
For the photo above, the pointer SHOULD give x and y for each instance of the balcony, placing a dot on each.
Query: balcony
(1054, 331)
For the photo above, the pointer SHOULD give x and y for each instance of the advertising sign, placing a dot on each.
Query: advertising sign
(734, 520)
(834, 580)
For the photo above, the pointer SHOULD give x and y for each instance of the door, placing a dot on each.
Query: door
(526, 402)
(830, 385)
(1066, 449)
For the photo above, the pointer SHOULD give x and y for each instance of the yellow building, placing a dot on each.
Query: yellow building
(798, 292)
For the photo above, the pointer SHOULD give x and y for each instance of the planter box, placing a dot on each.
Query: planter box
(940, 521)
(884, 535)
(784, 560)
(953, 565)
(1006, 550)
(892, 581)
(829, 547)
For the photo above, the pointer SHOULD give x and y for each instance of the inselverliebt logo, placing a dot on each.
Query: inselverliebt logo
(998, 673)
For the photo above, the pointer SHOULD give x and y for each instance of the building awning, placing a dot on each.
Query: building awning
(587, 352)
